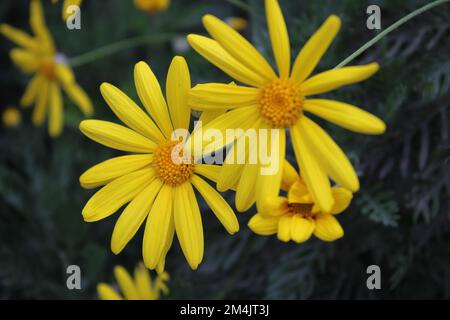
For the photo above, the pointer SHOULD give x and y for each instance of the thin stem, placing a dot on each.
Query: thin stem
(239, 4)
(388, 30)
(118, 46)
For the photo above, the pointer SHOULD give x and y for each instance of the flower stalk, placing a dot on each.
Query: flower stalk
(388, 30)
(113, 48)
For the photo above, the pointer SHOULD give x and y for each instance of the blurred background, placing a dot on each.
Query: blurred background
(399, 220)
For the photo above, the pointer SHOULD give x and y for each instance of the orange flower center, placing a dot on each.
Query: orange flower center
(169, 165)
(48, 68)
(280, 103)
(302, 209)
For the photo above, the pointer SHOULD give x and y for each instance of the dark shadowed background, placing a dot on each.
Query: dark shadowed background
(399, 220)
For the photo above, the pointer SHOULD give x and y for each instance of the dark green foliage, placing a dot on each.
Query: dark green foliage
(399, 220)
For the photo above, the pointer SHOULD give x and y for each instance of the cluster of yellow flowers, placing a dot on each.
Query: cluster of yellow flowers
(292, 204)
(162, 191)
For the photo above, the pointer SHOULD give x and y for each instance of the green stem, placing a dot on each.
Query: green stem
(239, 4)
(389, 30)
(119, 46)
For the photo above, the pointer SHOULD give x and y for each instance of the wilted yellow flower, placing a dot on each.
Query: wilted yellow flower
(281, 101)
(11, 117)
(140, 288)
(296, 217)
(237, 23)
(152, 6)
(67, 4)
(157, 187)
(38, 56)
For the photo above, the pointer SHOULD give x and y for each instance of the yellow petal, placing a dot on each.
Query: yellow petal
(208, 116)
(342, 198)
(333, 159)
(284, 228)
(111, 169)
(188, 224)
(290, 176)
(178, 85)
(246, 188)
(314, 175)
(143, 283)
(160, 282)
(126, 283)
(298, 193)
(328, 228)
(217, 204)
(64, 74)
(231, 170)
(18, 36)
(301, 229)
(133, 216)
(345, 115)
(129, 112)
(157, 227)
(24, 59)
(106, 292)
(211, 96)
(56, 111)
(242, 118)
(238, 47)
(149, 92)
(40, 110)
(116, 136)
(269, 184)
(115, 194)
(212, 51)
(37, 23)
(209, 171)
(167, 244)
(32, 91)
(229, 176)
(279, 37)
(274, 207)
(315, 48)
(336, 78)
(262, 225)
(79, 97)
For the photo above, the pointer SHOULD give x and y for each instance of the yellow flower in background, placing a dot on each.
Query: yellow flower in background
(37, 56)
(296, 217)
(11, 117)
(237, 23)
(140, 288)
(272, 100)
(157, 188)
(152, 6)
(67, 4)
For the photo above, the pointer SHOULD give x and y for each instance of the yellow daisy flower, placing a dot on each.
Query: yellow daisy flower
(154, 185)
(273, 100)
(152, 6)
(296, 217)
(66, 4)
(37, 55)
(11, 117)
(140, 288)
